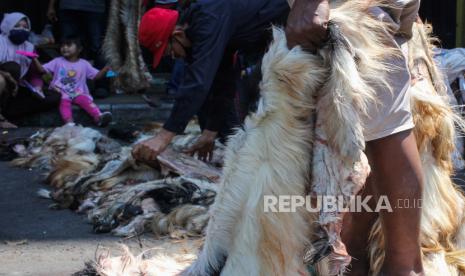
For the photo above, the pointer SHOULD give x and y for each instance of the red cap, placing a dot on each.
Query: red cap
(156, 27)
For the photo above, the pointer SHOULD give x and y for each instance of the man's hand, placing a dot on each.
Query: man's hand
(148, 150)
(204, 146)
(307, 24)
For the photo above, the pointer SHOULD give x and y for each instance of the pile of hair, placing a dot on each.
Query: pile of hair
(95, 175)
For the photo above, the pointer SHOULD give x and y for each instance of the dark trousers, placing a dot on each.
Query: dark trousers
(24, 102)
(27, 103)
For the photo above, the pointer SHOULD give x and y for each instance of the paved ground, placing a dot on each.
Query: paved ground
(36, 241)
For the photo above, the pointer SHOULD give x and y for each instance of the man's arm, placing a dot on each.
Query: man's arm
(211, 37)
(307, 24)
(216, 107)
(222, 93)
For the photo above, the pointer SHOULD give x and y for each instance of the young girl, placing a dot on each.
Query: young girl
(70, 74)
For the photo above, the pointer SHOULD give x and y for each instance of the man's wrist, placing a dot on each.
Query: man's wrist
(166, 134)
(210, 134)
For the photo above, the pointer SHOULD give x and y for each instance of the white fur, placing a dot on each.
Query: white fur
(271, 156)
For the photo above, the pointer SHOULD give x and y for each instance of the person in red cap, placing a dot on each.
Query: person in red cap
(206, 35)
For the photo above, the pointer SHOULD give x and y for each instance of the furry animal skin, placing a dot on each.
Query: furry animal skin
(272, 155)
(94, 175)
(68, 140)
(121, 45)
(130, 265)
(443, 206)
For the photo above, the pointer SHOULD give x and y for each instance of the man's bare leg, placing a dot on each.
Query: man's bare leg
(356, 227)
(397, 174)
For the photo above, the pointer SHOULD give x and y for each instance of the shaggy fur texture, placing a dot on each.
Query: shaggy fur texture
(130, 265)
(67, 141)
(121, 45)
(442, 230)
(94, 175)
(340, 167)
(272, 155)
(184, 221)
(258, 163)
(244, 240)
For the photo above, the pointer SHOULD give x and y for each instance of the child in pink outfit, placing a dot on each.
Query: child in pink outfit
(70, 74)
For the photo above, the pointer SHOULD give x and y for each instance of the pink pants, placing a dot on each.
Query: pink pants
(82, 101)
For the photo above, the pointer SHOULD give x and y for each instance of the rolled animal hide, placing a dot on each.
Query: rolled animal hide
(121, 45)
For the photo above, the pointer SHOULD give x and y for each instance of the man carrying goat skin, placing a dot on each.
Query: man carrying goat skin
(391, 146)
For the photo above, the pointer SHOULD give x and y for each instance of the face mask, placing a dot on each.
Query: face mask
(18, 36)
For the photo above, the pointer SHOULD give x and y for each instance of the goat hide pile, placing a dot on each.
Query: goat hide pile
(95, 175)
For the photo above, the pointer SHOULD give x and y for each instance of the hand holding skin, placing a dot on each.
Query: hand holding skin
(204, 146)
(148, 150)
(307, 24)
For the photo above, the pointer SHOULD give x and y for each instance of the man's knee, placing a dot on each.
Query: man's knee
(13, 68)
(396, 164)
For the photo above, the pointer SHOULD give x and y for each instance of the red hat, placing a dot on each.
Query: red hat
(156, 27)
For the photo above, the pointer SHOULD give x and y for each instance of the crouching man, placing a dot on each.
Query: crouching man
(207, 34)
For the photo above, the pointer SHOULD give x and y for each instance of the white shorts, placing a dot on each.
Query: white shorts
(392, 113)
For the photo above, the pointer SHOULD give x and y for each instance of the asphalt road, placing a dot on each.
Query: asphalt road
(36, 241)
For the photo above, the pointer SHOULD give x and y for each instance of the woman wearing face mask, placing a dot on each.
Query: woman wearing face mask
(15, 103)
